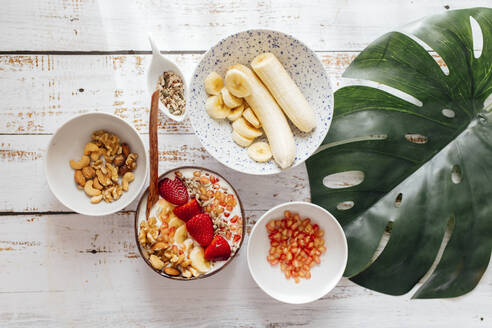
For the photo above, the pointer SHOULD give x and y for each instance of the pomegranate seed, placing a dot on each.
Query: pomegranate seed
(236, 238)
(226, 214)
(229, 208)
(295, 243)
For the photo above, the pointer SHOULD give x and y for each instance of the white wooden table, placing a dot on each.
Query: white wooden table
(59, 58)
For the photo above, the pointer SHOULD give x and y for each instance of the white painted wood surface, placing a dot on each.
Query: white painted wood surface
(59, 269)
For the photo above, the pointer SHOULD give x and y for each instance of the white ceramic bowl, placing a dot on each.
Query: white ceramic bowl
(68, 143)
(303, 66)
(324, 277)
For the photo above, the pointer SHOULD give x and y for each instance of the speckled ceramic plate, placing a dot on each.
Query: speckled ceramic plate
(304, 67)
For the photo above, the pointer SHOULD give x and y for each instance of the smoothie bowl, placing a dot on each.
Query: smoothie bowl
(195, 228)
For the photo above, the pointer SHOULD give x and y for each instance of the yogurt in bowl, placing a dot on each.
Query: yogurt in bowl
(192, 237)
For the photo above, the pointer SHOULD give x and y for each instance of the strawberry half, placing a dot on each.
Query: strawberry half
(218, 250)
(174, 191)
(188, 210)
(201, 228)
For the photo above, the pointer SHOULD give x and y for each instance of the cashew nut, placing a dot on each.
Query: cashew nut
(96, 199)
(97, 185)
(79, 178)
(117, 192)
(91, 191)
(114, 172)
(90, 147)
(96, 154)
(104, 180)
(88, 172)
(127, 178)
(84, 161)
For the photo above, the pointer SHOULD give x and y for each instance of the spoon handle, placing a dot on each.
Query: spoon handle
(153, 153)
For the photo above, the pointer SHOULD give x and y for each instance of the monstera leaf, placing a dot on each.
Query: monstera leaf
(421, 143)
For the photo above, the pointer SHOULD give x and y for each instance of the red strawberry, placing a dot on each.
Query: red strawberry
(201, 228)
(218, 250)
(173, 191)
(188, 210)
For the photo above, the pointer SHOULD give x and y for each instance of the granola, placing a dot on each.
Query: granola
(171, 92)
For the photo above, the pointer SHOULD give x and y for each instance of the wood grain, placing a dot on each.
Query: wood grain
(21, 156)
(59, 58)
(40, 92)
(190, 25)
(72, 270)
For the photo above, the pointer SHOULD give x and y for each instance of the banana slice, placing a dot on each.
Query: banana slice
(216, 108)
(229, 99)
(251, 118)
(175, 222)
(245, 129)
(188, 245)
(197, 257)
(237, 83)
(240, 140)
(235, 113)
(213, 83)
(260, 152)
(181, 234)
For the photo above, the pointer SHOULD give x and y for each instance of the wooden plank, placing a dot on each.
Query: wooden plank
(196, 25)
(51, 276)
(40, 92)
(21, 156)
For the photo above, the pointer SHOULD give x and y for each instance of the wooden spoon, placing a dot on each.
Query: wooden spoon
(153, 196)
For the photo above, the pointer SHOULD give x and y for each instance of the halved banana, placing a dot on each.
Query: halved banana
(251, 118)
(181, 234)
(240, 140)
(176, 222)
(245, 129)
(213, 83)
(229, 99)
(260, 151)
(235, 113)
(197, 257)
(237, 82)
(216, 108)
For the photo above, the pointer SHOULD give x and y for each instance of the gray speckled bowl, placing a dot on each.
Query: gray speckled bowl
(304, 67)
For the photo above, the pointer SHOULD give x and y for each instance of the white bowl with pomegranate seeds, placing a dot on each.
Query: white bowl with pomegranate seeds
(297, 252)
(195, 228)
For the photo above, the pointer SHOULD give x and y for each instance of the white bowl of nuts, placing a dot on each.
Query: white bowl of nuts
(96, 164)
(297, 252)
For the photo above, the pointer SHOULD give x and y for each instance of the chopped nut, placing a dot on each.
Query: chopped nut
(131, 161)
(119, 160)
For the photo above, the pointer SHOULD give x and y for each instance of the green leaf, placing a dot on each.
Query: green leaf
(368, 134)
